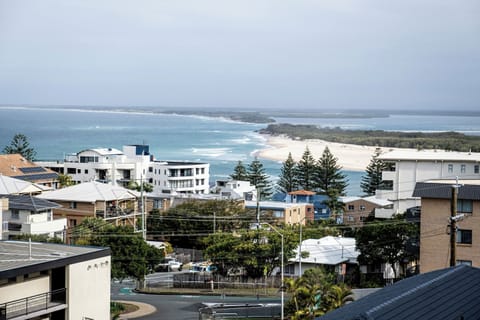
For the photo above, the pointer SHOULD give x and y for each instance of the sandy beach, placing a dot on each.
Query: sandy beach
(350, 157)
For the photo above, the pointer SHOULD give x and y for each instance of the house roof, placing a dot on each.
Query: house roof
(273, 204)
(15, 165)
(371, 199)
(104, 151)
(15, 257)
(10, 185)
(445, 294)
(30, 203)
(328, 250)
(430, 155)
(90, 192)
(302, 193)
(443, 190)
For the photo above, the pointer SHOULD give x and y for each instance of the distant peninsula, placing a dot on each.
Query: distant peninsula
(450, 141)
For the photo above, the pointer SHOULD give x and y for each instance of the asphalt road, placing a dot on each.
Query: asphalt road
(173, 307)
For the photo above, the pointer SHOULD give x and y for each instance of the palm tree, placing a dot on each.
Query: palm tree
(336, 297)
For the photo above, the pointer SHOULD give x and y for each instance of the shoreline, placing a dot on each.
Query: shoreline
(350, 156)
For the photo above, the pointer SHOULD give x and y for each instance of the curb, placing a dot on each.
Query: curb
(144, 309)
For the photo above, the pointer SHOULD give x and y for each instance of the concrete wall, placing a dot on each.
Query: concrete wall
(89, 289)
(23, 289)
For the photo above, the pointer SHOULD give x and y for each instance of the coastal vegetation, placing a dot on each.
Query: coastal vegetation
(20, 145)
(255, 174)
(450, 141)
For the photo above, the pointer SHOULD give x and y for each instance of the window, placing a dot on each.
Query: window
(71, 170)
(351, 207)
(362, 208)
(150, 169)
(15, 214)
(72, 222)
(450, 168)
(464, 236)
(86, 171)
(464, 206)
(73, 205)
(203, 170)
(476, 168)
(197, 170)
(465, 262)
(463, 168)
(351, 218)
(79, 171)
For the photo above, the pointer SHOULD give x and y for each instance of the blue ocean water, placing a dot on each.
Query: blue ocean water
(56, 132)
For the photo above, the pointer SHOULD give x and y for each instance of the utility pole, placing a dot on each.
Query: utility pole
(144, 224)
(453, 224)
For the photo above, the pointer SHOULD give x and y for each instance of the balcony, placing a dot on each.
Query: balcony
(34, 306)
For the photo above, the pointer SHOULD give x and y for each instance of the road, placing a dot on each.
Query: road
(169, 307)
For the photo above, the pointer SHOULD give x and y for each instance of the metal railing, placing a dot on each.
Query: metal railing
(36, 303)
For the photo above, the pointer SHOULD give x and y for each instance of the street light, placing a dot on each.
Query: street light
(282, 289)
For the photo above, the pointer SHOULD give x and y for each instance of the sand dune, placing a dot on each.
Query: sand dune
(350, 157)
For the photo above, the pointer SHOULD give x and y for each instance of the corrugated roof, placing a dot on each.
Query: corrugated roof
(444, 191)
(90, 192)
(328, 250)
(27, 202)
(445, 294)
(9, 185)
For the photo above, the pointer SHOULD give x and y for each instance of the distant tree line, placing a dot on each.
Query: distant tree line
(450, 141)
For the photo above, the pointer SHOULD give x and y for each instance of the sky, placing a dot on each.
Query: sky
(315, 54)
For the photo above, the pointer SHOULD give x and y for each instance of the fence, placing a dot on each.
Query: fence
(23, 307)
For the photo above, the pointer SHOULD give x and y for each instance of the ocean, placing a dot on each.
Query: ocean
(54, 132)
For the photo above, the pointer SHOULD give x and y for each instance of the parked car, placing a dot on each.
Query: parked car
(170, 264)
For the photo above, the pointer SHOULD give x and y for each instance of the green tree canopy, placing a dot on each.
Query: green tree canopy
(288, 176)
(132, 257)
(20, 145)
(256, 253)
(329, 178)
(186, 224)
(372, 180)
(386, 242)
(240, 172)
(305, 171)
(258, 178)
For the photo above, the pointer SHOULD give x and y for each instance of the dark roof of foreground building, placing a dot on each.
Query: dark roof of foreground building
(447, 294)
(20, 257)
(438, 190)
(28, 202)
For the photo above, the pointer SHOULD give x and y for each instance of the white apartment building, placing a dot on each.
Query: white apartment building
(135, 163)
(179, 177)
(409, 167)
(52, 281)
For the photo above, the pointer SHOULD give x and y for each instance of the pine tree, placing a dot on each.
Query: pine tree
(20, 145)
(372, 180)
(329, 178)
(288, 180)
(305, 171)
(240, 172)
(258, 178)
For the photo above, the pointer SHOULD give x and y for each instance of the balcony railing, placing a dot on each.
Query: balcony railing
(38, 304)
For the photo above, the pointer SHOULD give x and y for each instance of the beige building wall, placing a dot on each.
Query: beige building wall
(361, 210)
(435, 237)
(91, 297)
(23, 289)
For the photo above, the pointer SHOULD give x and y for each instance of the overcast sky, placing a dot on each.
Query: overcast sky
(241, 53)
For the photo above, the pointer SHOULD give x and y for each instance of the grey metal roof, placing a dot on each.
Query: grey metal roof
(38, 176)
(15, 257)
(444, 191)
(31, 203)
(445, 294)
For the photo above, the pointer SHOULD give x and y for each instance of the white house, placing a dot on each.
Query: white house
(52, 281)
(235, 190)
(27, 214)
(409, 167)
(330, 252)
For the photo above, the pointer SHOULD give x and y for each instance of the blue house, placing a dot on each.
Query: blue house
(321, 210)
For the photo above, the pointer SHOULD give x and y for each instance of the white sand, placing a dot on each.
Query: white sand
(350, 157)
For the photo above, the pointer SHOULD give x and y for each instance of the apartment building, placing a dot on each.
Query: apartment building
(407, 167)
(134, 164)
(436, 200)
(235, 190)
(357, 209)
(52, 281)
(288, 213)
(179, 177)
